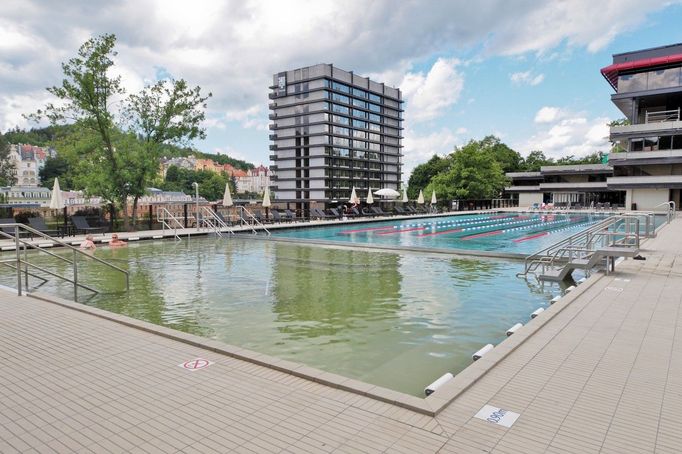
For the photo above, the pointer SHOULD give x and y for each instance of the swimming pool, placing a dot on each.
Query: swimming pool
(508, 232)
(395, 319)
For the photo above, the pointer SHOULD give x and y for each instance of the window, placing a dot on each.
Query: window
(340, 98)
(374, 107)
(360, 144)
(636, 144)
(677, 142)
(359, 154)
(373, 156)
(375, 137)
(650, 143)
(359, 93)
(374, 127)
(359, 103)
(359, 113)
(375, 117)
(340, 141)
(341, 87)
(341, 131)
(375, 98)
(340, 109)
(359, 124)
(359, 134)
(341, 120)
(375, 147)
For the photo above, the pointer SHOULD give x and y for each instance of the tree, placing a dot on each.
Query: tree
(473, 174)
(535, 160)
(53, 168)
(509, 160)
(7, 168)
(118, 156)
(423, 173)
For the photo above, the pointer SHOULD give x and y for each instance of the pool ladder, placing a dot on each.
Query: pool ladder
(21, 264)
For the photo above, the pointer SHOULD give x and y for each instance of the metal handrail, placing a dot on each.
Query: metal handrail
(253, 218)
(163, 215)
(671, 211)
(585, 240)
(660, 116)
(213, 221)
(21, 243)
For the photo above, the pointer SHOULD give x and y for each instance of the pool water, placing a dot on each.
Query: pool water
(519, 233)
(399, 320)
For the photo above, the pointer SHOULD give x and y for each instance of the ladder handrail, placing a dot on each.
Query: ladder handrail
(162, 215)
(243, 209)
(671, 211)
(76, 251)
(213, 221)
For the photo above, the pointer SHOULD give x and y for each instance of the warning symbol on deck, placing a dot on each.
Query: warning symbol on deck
(497, 415)
(196, 364)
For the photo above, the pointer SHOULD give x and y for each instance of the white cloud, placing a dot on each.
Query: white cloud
(419, 148)
(429, 95)
(562, 133)
(526, 78)
(548, 114)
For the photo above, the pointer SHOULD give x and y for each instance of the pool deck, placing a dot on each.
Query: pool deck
(599, 371)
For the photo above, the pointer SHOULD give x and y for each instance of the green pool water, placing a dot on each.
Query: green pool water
(398, 320)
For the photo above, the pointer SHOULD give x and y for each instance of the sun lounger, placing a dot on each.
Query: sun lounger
(80, 224)
(38, 223)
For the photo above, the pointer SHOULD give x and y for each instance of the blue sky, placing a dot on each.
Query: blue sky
(524, 70)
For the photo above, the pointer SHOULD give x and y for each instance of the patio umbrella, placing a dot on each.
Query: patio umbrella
(405, 199)
(354, 197)
(227, 197)
(266, 202)
(420, 199)
(370, 199)
(433, 198)
(57, 201)
(387, 192)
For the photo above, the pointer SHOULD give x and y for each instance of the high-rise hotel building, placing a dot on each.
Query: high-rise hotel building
(332, 130)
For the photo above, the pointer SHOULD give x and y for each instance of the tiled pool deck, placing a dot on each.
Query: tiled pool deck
(601, 372)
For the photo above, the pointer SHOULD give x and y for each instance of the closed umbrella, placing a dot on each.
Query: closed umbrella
(227, 197)
(354, 197)
(370, 199)
(57, 201)
(405, 199)
(266, 202)
(420, 199)
(433, 198)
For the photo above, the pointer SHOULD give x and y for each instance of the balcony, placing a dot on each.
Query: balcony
(272, 105)
(528, 188)
(272, 116)
(273, 157)
(662, 127)
(273, 147)
(273, 136)
(647, 181)
(646, 157)
(272, 126)
(272, 95)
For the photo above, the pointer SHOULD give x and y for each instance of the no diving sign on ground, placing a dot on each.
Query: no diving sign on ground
(496, 415)
(195, 364)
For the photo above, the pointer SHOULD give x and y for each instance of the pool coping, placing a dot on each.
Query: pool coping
(429, 406)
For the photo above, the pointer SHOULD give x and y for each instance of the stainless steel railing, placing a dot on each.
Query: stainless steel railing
(23, 245)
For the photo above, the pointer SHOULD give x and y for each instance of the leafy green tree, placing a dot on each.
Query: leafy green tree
(473, 174)
(509, 160)
(53, 168)
(117, 157)
(535, 160)
(7, 168)
(423, 173)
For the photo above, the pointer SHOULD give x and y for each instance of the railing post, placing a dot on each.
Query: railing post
(18, 250)
(75, 277)
(25, 265)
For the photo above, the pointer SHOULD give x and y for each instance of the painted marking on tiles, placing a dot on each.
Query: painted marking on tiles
(622, 279)
(497, 416)
(195, 364)
(157, 237)
(614, 289)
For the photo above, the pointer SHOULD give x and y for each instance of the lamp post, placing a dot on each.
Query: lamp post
(196, 194)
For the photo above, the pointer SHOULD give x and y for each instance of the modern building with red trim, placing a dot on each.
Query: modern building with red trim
(647, 152)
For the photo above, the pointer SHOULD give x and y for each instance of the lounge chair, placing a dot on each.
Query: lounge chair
(38, 223)
(291, 216)
(80, 224)
(278, 217)
(335, 213)
(379, 212)
(319, 214)
(400, 211)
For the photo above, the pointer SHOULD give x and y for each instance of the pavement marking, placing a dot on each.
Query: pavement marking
(195, 364)
(614, 289)
(497, 416)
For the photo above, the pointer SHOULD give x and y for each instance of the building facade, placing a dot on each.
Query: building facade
(647, 152)
(28, 160)
(332, 130)
(256, 180)
(584, 184)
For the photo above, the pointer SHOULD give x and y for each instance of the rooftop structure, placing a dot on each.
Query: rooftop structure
(647, 153)
(333, 130)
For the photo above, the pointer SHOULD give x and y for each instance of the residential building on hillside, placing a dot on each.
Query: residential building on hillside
(647, 152)
(26, 195)
(28, 160)
(256, 180)
(333, 130)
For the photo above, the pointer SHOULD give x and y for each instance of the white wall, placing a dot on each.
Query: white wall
(527, 199)
(645, 198)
